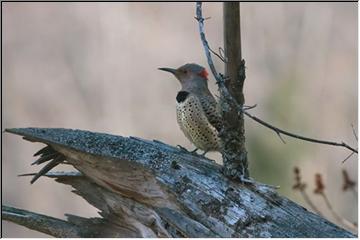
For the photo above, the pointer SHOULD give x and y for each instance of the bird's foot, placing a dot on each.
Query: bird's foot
(194, 151)
(246, 180)
(185, 150)
(203, 154)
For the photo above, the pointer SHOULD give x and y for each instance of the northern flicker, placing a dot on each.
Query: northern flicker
(196, 108)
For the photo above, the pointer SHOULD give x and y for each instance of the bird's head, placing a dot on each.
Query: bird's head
(190, 75)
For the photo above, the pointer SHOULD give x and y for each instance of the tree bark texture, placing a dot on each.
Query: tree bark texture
(233, 134)
(150, 189)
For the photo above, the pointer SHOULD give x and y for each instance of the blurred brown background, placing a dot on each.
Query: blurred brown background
(94, 66)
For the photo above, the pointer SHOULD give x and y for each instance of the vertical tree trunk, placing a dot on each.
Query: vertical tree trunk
(234, 151)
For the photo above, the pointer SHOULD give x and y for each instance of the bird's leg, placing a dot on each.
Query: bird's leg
(194, 151)
(203, 154)
(182, 148)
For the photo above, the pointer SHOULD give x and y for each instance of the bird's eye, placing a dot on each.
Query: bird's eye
(185, 71)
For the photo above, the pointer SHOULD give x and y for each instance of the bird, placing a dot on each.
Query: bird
(196, 108)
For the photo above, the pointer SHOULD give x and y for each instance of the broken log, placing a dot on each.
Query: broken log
(150, 189)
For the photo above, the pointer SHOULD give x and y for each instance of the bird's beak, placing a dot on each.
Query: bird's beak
(171, 70)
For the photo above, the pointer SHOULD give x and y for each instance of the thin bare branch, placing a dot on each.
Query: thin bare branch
(218, 55)
(279, 135)
(310, 203)
(340, 219)
(222, 54)
(280, 131)
(320, 190)
(201, 20)
(354, 132)
(245, 107)
(220, 80)
(349, 156)
(301, 186)
(349, 184)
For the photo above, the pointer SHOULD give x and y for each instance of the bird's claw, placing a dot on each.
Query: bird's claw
(185, 150)
(194, 151)
(203, 154)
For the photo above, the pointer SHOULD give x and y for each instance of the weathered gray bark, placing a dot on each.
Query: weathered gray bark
(233, 134)
(150, 189)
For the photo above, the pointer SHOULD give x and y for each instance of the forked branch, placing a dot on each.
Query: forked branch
(220, 80)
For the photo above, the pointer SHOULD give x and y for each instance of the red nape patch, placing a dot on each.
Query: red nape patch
(204, 74)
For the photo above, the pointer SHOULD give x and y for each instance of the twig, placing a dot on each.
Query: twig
(220, 80)
(207, 18)
(354, 132)
(280, 131)
(349, 184)
(218, 55)
(340, 219)
(301, 186)
(310, 203)
(201, 20)
(281, 138)
(245, 107)
(320, 189)
(349, 156)
(222, 54)
(218, 77)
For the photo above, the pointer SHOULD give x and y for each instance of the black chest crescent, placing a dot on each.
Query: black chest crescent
(181, 96)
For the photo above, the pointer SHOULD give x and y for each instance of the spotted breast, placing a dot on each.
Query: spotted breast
(199, 120)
